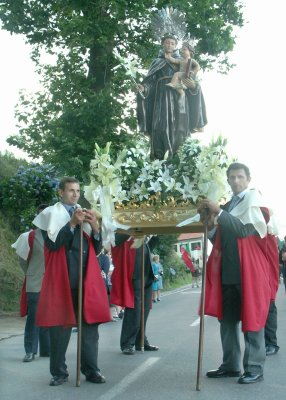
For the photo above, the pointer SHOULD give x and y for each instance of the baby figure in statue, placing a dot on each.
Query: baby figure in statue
(188, 68)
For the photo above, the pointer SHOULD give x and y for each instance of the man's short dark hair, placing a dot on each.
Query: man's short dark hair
(41, 207)
(237, 165)
(65, 180)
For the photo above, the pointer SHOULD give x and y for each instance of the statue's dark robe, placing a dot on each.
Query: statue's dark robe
(163, 115)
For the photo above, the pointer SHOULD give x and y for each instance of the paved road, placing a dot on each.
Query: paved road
(167, 374)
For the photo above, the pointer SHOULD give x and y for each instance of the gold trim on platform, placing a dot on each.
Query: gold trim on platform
(151, 216)
(152, 220)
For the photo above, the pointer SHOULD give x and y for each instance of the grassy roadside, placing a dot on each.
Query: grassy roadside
(11, 276)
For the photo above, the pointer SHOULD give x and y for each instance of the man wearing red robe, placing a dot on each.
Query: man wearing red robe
(57, 309)
(126, 289)
(187, 259)
(241, 275)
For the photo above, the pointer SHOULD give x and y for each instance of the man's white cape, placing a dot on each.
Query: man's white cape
(22, 245)
(53, 218)
(249, 212)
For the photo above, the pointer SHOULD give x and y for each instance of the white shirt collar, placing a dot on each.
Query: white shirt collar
(242, 194)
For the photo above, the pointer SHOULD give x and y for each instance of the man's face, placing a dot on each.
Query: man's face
(238, 180)
(70, 194)
(169, 45)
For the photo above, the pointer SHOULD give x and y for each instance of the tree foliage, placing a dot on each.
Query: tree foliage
(84, 99)
(9, 164)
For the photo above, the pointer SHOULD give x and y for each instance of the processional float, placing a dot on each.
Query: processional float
(139, 211)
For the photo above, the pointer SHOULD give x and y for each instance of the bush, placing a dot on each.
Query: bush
(22, 193)
(174, 263)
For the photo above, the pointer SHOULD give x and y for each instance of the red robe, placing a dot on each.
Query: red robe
(123, 257)
(259, 283)
(55, 304)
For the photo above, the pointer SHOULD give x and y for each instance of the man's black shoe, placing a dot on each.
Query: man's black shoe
(29, 357)
(271, 350)
(128, 351)
(58, 380)
(249, 377)
(148, 347)
(96, 378)
(221, 373)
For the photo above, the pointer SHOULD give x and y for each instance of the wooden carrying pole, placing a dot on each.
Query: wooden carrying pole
(202, 310)
(142, 332)
(79, 312)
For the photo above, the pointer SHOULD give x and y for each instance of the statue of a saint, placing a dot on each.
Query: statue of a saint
(164, 114)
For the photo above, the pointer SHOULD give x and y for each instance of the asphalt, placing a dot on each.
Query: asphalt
(171, 373)
(11, 325)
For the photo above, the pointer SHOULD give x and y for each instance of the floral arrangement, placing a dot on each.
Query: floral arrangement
(132, 180)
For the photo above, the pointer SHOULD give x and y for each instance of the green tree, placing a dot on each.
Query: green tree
(166, 242)
(9, 164)
(84, 99)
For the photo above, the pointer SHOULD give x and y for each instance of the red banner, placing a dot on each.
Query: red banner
(187, 259)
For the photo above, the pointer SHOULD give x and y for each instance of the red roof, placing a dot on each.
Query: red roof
(187, 236)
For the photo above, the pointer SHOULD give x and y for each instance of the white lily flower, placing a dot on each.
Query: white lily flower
(144, 176)
(121, 197)
(155, 187)
(143, 192)
(170, 184)
(164, 175)
(129, 163)
(135, 189)
(156, 164)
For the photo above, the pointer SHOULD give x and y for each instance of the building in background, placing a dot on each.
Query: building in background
(192, 242)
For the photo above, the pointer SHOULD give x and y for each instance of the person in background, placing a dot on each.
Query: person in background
(195, 273)
(117, 311)
(282, 259)
(270, 330)
(30, 249)
(157, 284)
(160, 281)
(58, 303)
(241, 276)
(104, 263)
